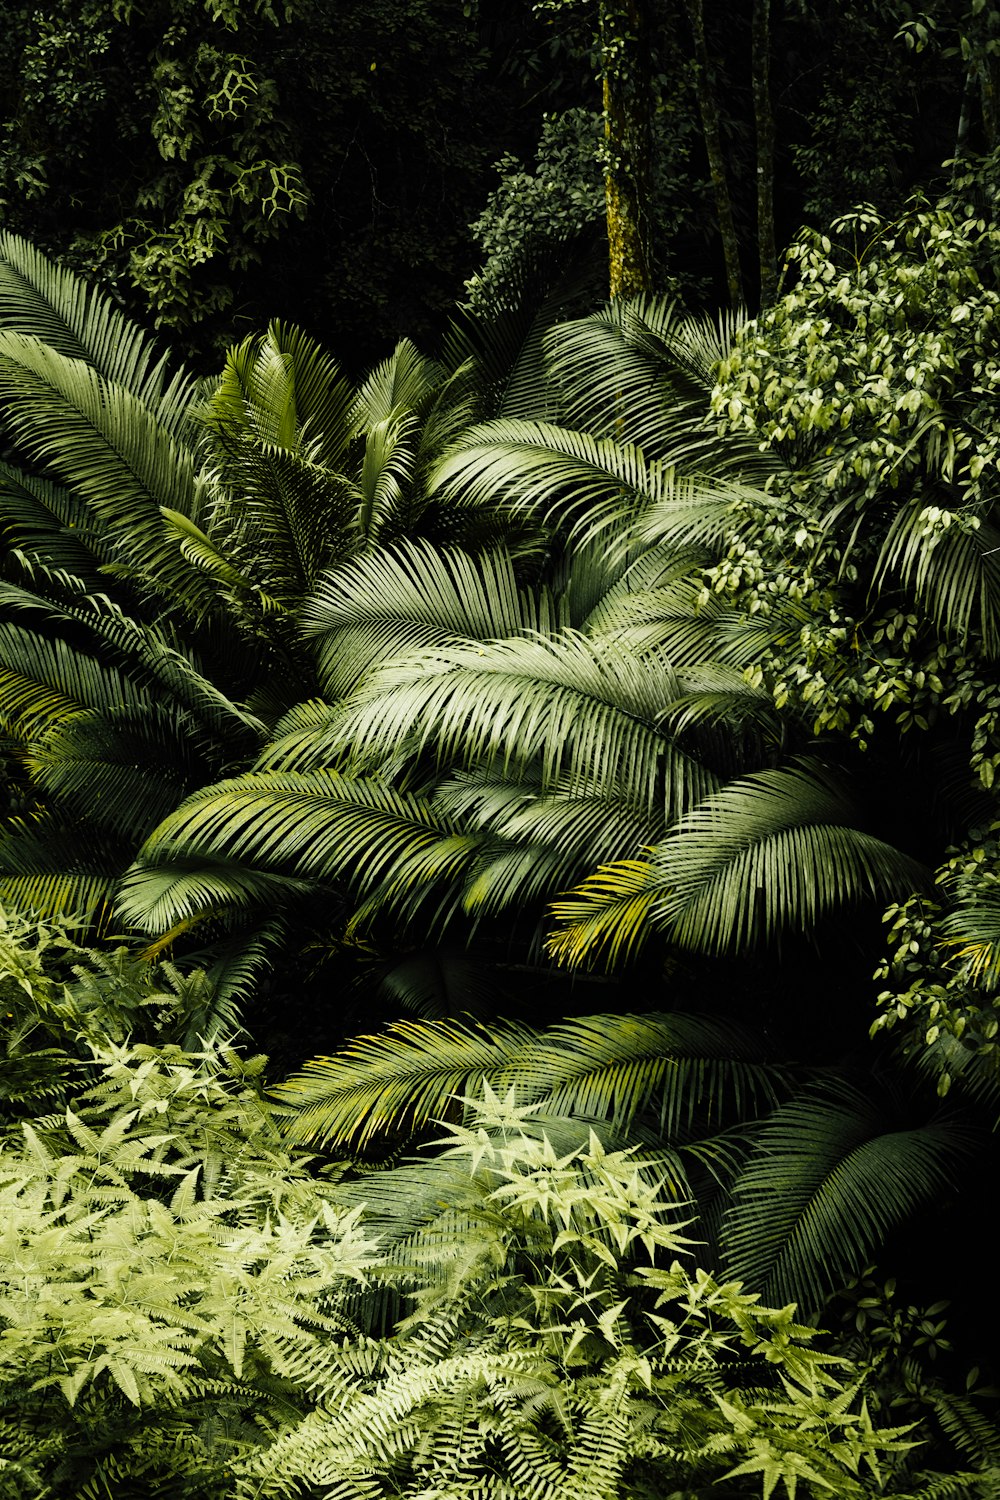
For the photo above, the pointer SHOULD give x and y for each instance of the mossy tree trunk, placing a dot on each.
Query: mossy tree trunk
(624, 40)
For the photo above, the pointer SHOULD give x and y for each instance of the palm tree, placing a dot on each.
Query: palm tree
(161, 535)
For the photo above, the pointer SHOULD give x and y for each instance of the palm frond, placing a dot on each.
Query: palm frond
(390, 601)
(828, 1178)
(300, 827)
(142, 654)
(954, 572)
(592, 485)
(46, 682)
(607, 1068)
(41, 522)
(107, 447)
(404, 383)
(540, 846)
(642, 371)
(277, 520)
(385, 504)
(771, 850)
(394, 1083)
(583, 710)
(48, 302)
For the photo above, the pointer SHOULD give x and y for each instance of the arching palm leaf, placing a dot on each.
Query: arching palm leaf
(567, 477)
(583, 710)
(606, 1068)
(830, 1175)
(388, 602)
(954, 572)
(303, 826)
(106, 446)
(770, 850)
(48, 302)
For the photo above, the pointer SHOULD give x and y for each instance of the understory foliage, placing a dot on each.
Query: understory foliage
(186, 1306)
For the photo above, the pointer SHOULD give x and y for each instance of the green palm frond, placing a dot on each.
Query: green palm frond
(46, 682)
(284, 390)
(607, 914)
(109, 449)
(141, 653)
(954, 571)
(829, 1176)
(540, 845)
(593, 485)
(123, 770)
(308, 826)
(405, 383)
(391, 601)
(48, 302)
(394, 1083)
(660, 603)
(41, 522)
(617, 374)
(54, 866)
(277, 520)
(582, 710)
(643, 371)
(607, 1067)
(770, 850)
(734, 723)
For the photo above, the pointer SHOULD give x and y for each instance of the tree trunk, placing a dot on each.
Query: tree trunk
(713, 144)
(628, 146)
(764, 121)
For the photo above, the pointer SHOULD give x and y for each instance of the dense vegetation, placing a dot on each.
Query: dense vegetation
(568, 750)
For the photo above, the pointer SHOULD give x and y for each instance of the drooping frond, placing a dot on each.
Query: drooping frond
(394, 1083)
(582, 710)
(641, 371)
(107, 447)
(45, 682)
(48, 302)
(56, 866)
(953, 570)
(830, 1175)
(770, 850)
(608, 1068)
(608, 914)
(565, 476)
(41, 524)
(540, 843)
(142, 653)
(387, 602)
(304, 826)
